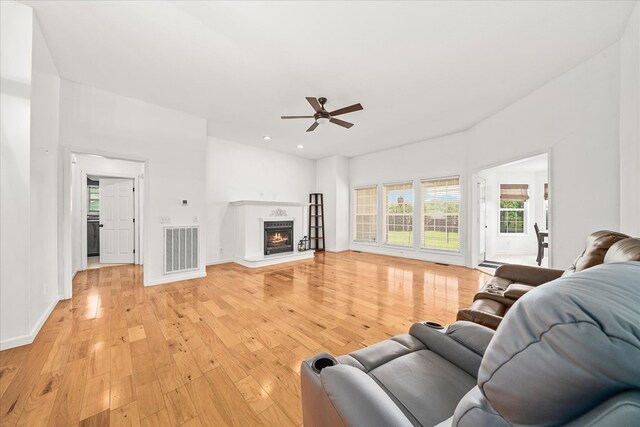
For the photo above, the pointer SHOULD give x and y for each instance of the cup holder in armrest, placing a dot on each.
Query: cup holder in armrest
(494, 291)
(323, 362)
(433, 325)
(496, 288)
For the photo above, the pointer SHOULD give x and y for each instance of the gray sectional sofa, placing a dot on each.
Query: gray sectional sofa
(566, 353)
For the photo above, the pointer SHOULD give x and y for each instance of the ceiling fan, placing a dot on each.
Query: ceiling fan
(323, 116)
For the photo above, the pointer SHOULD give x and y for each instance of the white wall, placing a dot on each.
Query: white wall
(439, 157)
(173, 143)
(103, 167)
(576, 117)
(342, 212)
(16, 32)
(630, 126)
(29, 211)
(241, 172)
(45, 98)
(332, 181)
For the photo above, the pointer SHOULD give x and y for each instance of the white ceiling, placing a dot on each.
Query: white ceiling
(420, 69)
(539, 163)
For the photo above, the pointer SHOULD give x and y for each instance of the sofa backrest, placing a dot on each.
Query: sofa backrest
(624, 250)
(563, 349)
(596, 248)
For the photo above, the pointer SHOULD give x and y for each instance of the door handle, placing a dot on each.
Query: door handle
(101, 225)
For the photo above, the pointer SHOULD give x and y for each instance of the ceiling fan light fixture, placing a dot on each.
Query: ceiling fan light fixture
(322, 116)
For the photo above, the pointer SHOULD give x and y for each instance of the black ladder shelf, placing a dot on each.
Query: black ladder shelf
(316, 222)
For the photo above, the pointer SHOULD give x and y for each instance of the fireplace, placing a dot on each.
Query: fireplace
(278, 237)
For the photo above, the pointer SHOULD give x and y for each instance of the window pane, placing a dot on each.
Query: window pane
(513, 198)
(366, 214)
(94, 199)
(511, 221)
(441, 214)
(398, 204)
(512, 204)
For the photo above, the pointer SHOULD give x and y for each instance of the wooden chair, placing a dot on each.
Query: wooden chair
(541, 243)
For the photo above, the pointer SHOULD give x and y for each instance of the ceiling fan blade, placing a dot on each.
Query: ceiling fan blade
(314, 103)
(341, 123)
(349, 109)
(296, 117)
(312, 127)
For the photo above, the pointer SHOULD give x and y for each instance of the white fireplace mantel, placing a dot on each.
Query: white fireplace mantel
(249, 217)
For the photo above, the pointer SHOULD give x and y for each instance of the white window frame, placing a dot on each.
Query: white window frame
(383, 205)
(376, 214)
(421, 215)
(525, 216)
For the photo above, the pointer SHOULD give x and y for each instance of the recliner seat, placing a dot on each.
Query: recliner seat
(567, 353)
(512, 281)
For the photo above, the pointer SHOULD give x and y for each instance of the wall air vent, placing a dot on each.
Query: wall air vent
(180, 249)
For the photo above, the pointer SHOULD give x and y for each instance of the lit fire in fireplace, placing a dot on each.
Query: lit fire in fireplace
(277, 239)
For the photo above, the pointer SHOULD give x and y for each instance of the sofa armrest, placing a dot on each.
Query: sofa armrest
(517, 290)
(463, 343)
(487, 313)
(346, 396)
(528, 275)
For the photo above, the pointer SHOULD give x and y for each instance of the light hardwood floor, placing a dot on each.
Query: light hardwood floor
(222, 350)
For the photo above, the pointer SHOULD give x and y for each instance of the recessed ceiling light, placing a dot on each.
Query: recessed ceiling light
(300, 146)
(266, 137)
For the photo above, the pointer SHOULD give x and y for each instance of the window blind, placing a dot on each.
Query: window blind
(366, 214)
(517, 192)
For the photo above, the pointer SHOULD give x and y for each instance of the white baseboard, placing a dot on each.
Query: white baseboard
(28, 339)
(222, 261)
(453, 258)
(176, 278)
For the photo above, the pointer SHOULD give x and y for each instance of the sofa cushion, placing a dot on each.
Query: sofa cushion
(424, 385)
(596, 247)
(580, 334)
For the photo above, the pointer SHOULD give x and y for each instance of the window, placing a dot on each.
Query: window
(513, 199)
(94, 198)
(366, 214)
(398, 211)
(441, 214)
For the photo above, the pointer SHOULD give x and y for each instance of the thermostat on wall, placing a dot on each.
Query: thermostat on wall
(185, 202)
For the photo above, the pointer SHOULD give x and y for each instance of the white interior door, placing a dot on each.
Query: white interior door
(116, 221)
(482, 220)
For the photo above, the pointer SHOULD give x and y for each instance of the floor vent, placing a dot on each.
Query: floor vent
(180, 249)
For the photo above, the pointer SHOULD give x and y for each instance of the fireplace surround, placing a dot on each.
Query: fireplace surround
(278, 237)
(247, 219)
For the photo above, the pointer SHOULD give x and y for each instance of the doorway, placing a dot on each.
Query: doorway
(512, 201)
(106, 212)
(110, 221)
